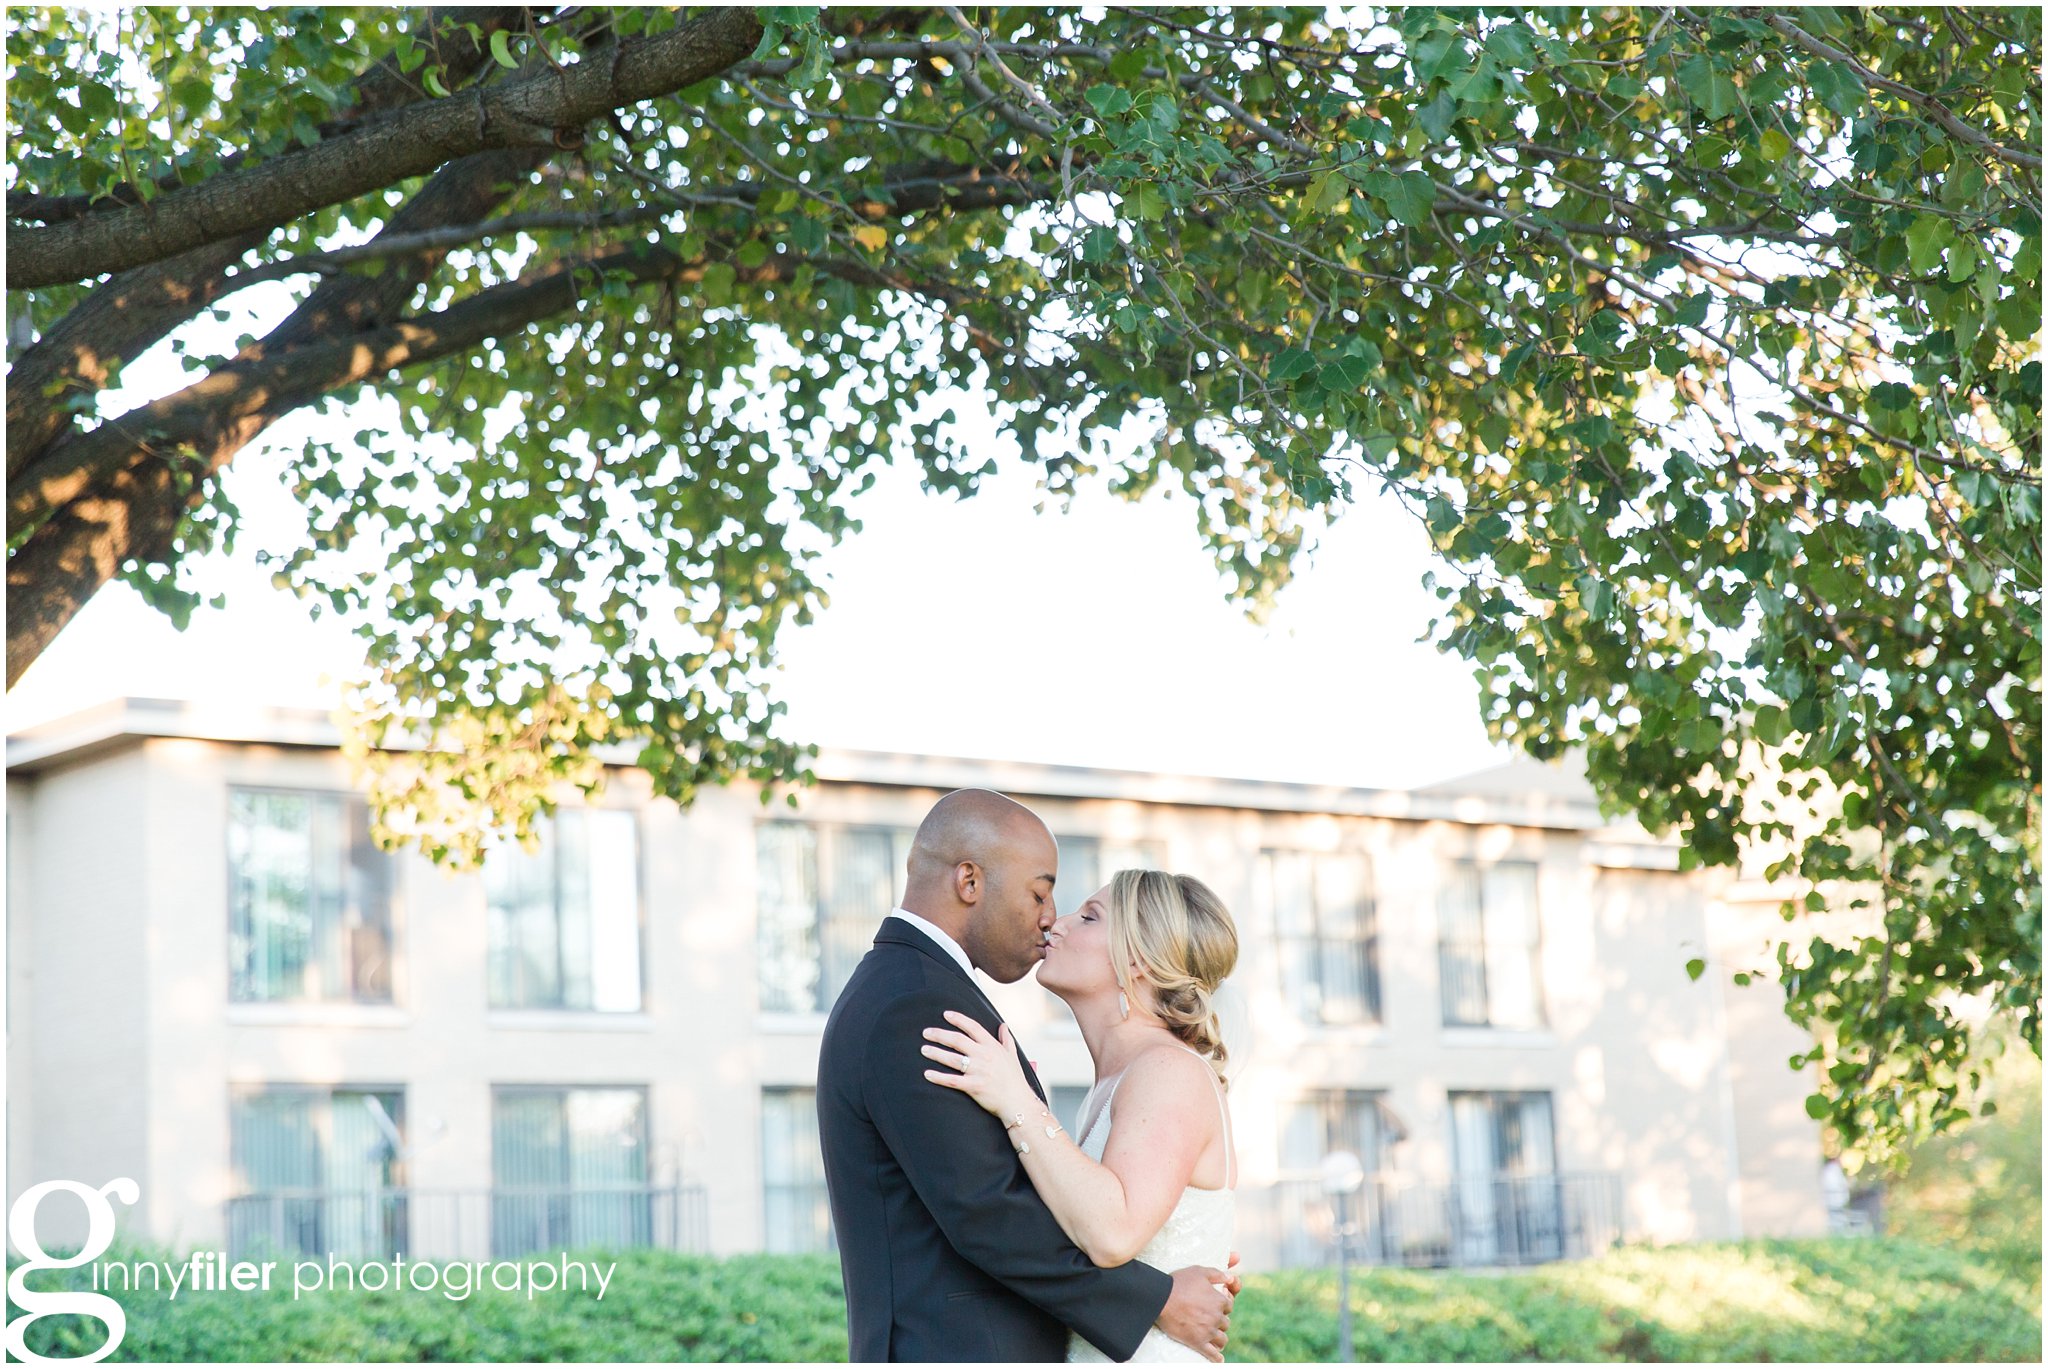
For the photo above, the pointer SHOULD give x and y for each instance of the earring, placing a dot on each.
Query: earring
(1123, 1003)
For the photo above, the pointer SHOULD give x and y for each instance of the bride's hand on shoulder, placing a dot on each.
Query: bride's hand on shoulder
(982, 1066)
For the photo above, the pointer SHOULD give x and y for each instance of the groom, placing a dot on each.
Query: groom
(946, 1250)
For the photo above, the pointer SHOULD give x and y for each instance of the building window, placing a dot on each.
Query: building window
(1489, 952)
(1327, 935)
(823, 894)
(797, 1214)
(1333, 1119)
(309, 900)
(318, 1171)
(569, 1169)
(1086, 863)
(565, 917)
(1509, 1205)
(1314, 1125)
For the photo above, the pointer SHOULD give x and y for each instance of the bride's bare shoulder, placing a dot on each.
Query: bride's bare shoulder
(1170, 1070)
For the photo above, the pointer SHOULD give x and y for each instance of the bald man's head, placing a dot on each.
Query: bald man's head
(970, 824)
(982, 866)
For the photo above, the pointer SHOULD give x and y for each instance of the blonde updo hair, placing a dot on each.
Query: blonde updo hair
(1176, 928)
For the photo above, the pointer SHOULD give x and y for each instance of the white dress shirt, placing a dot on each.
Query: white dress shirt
(946, 943)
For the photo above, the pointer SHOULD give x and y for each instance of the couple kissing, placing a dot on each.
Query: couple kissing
(971, 1225)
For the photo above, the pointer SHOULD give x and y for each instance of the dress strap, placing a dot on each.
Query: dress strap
(1221, 1107)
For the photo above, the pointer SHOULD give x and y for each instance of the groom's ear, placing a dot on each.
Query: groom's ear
(969, 882)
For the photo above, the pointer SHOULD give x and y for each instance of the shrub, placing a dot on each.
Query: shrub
(1755, 1300)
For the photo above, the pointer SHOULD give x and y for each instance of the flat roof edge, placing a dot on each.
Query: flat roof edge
(95, 729)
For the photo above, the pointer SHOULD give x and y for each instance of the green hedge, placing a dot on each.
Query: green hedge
(1755, 1300)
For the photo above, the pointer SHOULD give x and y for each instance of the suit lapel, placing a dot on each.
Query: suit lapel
(898, 932)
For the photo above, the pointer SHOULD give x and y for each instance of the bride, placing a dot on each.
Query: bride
(1151, 1176)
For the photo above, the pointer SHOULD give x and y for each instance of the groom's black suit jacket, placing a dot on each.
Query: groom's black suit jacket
(946, 1250)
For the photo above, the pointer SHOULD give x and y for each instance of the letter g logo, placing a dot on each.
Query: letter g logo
(99, 1234)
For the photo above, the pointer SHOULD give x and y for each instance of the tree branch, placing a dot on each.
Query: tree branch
(112, 491)
(910, 190)
(117, 322)
(545, 110)
(128, 314)
(381, 89)
(1927, 104)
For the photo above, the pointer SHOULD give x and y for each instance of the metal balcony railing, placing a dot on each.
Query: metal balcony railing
(464, 1224)
(1504, 1219)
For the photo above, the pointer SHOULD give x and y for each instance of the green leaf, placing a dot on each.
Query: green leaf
(1774, 145)
(1366, 350)
(1926, 236)
(501, 49)
(1962, 263)
(1837, 87)
(1709, 87)
(98, 102)
(717, 286)
(1695, 968)
(1437, 116)
(1411, 198)
(1596, 595)
(1327, 191)
(1511, 365)
(1479, 86)
(1107, 99)
(1771, 725)
(1290, 364)
(1436, 53)
(1511, 44)
(1343, 374)
(1963, 183)
(1817, 1107)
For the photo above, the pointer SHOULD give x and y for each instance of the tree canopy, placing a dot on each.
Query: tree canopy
(1705, 342)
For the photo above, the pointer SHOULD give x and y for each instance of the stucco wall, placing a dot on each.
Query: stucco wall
(79, 1103)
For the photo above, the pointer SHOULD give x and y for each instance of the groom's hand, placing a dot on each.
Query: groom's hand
(1197, 1312)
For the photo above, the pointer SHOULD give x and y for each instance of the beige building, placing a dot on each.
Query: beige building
(219, 988)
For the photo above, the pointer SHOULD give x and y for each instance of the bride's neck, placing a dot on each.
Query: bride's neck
(1111, 1037)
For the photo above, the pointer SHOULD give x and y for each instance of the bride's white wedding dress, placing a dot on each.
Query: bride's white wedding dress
(1197, 1231)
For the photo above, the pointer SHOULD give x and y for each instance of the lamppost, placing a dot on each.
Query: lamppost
(1343, 1172)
